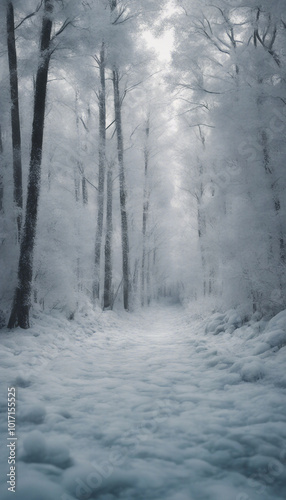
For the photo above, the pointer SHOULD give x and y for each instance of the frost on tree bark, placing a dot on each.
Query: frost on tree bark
(267, 41)
(145, 216)
(274, 193)
(107, 296)
(122, 190)
(22, 297)
(1, 173)
(201, 235)
(15, 116)
(201, 216)
(101, 173)
(79, 175)
(77, 163)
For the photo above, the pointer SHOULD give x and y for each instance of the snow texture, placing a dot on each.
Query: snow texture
(157, 405)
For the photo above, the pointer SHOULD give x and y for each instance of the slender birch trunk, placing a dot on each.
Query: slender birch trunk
(107, 296)
(22, 298)
(274, 194)
(145, 217)
(122, 189)
(1, 173)
(15, 117)
(201, 218)
(101, 174)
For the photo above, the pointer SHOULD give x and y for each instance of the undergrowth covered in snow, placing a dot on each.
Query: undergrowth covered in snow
(160, 405)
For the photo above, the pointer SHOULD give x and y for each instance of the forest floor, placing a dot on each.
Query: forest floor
(154, 405)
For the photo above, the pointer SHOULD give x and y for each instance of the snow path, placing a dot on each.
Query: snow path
(143, 406)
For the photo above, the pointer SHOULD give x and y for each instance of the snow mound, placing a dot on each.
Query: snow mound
(275, 333)
(37, 450)
(35, 486)
(22, 381)
(34, 414)
(279, 321)
(84, 481)
(227, 322)
(250, 369)
(276, 338)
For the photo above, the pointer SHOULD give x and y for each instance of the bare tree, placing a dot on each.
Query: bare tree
(145, 212)
(1, 173)
(266, 37)
(15, 116)
(22, 297)
(101, 172)
(108, 292)
(122, 189)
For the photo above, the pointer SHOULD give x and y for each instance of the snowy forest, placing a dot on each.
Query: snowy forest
(147, 177)
(143, 208)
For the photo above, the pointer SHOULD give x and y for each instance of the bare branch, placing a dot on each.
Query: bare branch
(110, 125)
(269, 48)
(30, 15)
(86, 179)
(62, 28)
(126, 19)
(82, 121)
(96, 59)
(123, 10)
(187, 86)
(201, 125)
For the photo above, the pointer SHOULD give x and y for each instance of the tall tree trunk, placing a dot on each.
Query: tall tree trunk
(202, 228)
(79, 177)
(107, 296)
(273, 185)
(135, 277)
(1, 173)
(84, 189)
(22, 298)
(201, 234)
(148, 278)
(155, 287)
(77, 163)
(101, 174)
(268, 45)
(122, 188)
(15, 117)
(145, 216)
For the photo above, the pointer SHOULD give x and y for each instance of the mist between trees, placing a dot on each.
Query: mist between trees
(125, 179)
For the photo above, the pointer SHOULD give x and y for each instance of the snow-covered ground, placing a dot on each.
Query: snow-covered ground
(156, 405)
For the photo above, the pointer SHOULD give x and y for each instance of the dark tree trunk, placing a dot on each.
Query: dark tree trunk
(274, 191)
(1, 173)
(268, 44)
(148, 279)
(145, 217)
(101, 174)
(107, 297)
(84, 190)
(15, 117)
(22, 298)
(135, 277)
(202, 229)
(79, 177)
(122, 189)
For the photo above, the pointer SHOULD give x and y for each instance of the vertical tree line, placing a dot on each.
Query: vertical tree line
(231, 89)
(105, 289)
(15, 116)
(22, 299)
(101, 221)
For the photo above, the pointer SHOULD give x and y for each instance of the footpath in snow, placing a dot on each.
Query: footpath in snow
(156, 405)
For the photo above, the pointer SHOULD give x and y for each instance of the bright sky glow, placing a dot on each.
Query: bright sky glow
(163, 44)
